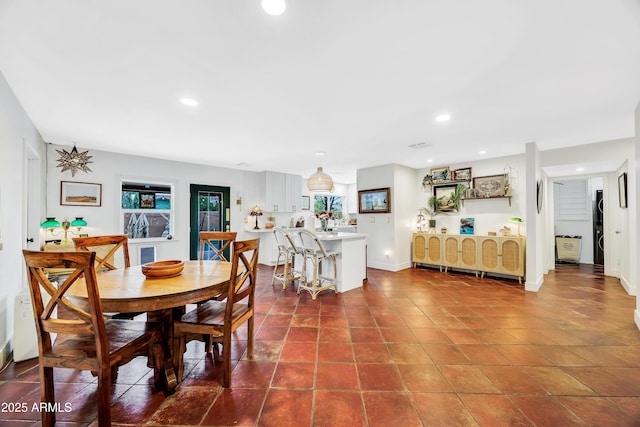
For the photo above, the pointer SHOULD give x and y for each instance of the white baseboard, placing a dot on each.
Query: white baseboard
(636, 316)
(389, 267)
(631, 290)
(534, 286)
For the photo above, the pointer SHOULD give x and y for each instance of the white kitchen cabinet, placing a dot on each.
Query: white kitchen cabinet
(283, 192)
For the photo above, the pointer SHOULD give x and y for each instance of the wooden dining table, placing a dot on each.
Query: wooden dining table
(163, 299)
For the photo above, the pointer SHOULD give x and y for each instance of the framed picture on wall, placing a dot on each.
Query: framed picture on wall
(622, 189)
(374, 201)
(306, 203)
(80, 194)
(490, 186)
(147, 200)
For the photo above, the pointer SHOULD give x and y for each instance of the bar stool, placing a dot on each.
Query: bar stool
(314, 254)
(287, 251)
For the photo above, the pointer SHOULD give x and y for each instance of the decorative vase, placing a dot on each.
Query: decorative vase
(324, 224)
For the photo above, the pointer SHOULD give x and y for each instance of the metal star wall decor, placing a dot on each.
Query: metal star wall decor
(74, 161)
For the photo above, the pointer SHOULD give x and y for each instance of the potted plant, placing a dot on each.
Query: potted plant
(432, 211)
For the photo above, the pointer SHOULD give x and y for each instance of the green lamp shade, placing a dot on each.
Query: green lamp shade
(50, 223)
(515, 220)
(78, 222)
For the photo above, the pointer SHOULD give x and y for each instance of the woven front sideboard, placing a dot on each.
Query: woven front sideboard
(480, 254)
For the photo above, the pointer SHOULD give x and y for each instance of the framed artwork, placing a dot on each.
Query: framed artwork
(440, 175)
(467, 225)
(130, 200)
(463, 174)
(306, 203)
(163, 201)
(80, 194)
(147, 200)
(444, 195)
(374, 201)
(622, 189)
(490, 186)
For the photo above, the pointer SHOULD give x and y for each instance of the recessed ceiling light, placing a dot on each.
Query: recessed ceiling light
(482, 152)
(274, 7)
(189, 102)
(430, 161)
(579, 169)
(443, 117)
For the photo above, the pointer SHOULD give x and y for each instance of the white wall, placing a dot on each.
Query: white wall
(379, 227)
(110, 168)
(18, 139)
(489, 214)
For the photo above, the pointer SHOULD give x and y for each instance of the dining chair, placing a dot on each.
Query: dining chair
(221, 318)
(316, 255)
(106, 248)
(85, 339)
(216, 242)
(287, 251)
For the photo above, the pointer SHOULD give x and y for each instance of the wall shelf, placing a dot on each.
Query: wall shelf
(486, 198)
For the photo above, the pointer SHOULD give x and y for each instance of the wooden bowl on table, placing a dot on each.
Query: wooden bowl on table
(162, 269)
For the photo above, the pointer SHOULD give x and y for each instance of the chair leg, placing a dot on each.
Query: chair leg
(250, 338)
(47, 395)
(104, 396)
(178, 354)
(226, 361)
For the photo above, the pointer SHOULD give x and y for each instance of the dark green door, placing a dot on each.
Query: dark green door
(209, 211)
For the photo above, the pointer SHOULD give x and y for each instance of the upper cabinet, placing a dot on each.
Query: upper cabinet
(283, 192)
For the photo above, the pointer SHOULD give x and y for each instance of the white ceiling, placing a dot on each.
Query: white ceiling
(360, 80)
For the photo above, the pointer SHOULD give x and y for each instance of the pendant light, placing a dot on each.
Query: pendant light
(320, 181)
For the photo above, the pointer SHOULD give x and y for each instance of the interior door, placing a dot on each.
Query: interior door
(32, 202)
(209, 211)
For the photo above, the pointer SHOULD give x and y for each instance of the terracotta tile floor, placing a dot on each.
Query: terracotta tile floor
(417, 347)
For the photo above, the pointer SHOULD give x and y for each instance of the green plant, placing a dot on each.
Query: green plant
(432, 207)
(456, 196)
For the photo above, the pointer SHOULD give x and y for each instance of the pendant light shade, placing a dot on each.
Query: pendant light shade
(320, 181)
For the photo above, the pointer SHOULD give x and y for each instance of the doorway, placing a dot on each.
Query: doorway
(209, 211)
(579, 214)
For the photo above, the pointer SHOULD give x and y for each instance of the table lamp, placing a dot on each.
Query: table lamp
(517, 221)
(256, 211)
(51, 224)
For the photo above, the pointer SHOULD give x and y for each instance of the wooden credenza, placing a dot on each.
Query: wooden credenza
(481, 254)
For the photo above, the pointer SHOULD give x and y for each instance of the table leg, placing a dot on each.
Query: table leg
(165, 318)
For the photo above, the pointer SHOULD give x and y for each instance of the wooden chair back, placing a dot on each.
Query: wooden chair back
(84, 339)
(60, 315)
(109, 243)
(217, 320)
(244, 271)
(218, 242)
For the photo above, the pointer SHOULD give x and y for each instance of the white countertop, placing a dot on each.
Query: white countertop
(330, 235)
(340, 236)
